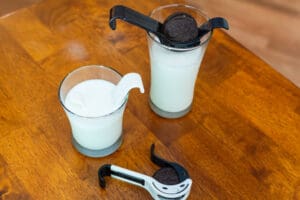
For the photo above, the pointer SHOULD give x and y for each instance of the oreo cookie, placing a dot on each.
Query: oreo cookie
(180, 27)
(166, 175)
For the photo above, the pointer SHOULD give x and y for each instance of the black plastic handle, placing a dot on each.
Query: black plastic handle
(133, 17)
(180, 171)
(211, 24)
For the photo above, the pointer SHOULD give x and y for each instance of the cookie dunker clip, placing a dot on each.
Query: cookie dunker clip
(188, 35)
(171, 181)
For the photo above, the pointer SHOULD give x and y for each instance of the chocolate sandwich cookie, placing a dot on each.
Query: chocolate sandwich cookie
(180, 27)
(166, 175)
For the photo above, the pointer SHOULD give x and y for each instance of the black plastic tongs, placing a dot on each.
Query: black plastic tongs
(164, 30)
(171, 181)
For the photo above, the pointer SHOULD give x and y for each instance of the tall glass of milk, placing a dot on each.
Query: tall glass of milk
(174, 70)
(96, 122)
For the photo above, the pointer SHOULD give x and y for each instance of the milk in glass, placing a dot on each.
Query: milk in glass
(101, 126)
(173, 75)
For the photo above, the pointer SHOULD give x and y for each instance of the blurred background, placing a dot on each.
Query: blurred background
(268, 28)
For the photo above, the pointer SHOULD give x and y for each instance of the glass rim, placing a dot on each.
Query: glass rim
(85, 67)
(151, 35)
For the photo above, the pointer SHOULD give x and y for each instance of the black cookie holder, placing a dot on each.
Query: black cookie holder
(158, 185)
(180, 171)
(150, 25)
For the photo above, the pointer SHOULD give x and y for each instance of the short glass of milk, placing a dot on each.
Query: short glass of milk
(85, 95)
(174, 70)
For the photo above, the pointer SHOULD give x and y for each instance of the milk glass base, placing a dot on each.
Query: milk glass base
(97, 153)
(166, 114)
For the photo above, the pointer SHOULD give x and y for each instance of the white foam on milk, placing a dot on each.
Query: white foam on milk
(91, 98)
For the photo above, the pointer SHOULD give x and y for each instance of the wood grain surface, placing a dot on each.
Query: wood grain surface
(269, 28)
(240, 141)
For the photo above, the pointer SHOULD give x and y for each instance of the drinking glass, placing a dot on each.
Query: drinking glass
(174, 70)
(93, 136)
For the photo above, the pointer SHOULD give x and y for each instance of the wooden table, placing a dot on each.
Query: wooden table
(240, 141)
